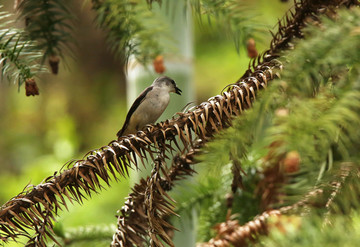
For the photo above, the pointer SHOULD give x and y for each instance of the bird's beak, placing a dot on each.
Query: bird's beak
(178, 91)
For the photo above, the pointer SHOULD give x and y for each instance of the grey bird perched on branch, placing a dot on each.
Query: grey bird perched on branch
(149, 106)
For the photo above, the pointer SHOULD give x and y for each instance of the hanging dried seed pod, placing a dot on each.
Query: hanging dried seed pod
(158, 64)
(31, 88)
(251, 48)
(54, 64)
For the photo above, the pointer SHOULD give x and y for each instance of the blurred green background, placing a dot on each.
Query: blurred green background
(83, 107)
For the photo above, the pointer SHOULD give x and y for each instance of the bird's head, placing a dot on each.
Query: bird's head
(167, 82)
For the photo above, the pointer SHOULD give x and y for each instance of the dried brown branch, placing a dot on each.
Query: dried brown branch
(133, 220)
(231, 233)
(158, 206)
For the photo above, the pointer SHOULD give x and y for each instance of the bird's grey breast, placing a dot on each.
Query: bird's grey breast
(151, 107)
(157, 100)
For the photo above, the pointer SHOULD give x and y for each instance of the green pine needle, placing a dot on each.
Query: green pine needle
(133, 29)
(49, 22)
(19, 56)
(314, 109)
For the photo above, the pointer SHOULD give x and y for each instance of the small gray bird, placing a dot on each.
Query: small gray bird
(149, 106)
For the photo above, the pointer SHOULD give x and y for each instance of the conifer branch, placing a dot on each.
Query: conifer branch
(121, 236)
(291, 26)
(19, 56)
(309, 114)
(132, 28)
(49, 23)
(158, 206)
(32, 208)
(231, 16)
(130, 33)
(231, 232)
(325, 224)
(133, 222)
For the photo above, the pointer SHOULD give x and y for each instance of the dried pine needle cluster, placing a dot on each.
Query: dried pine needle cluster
(134, 220)
(231, 233)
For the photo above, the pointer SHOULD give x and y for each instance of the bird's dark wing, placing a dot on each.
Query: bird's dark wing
(134, 106)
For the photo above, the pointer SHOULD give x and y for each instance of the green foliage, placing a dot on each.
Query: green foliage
(132, 28)
(314, 109)
(230, 16)
(150, 2)
(204, 194)
(49, 23)
(19, 56)
(321, 111)
(99, 235)
(312, 232)
(208, 196)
